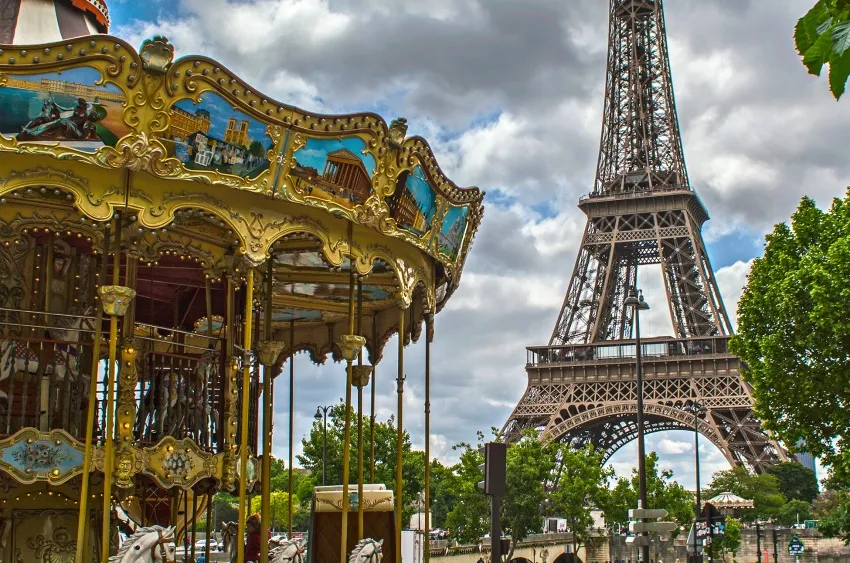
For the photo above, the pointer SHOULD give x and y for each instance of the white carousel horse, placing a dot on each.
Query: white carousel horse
(153, 544)
(367, 550)
(21, 356)
(291, 551)
(229, 530)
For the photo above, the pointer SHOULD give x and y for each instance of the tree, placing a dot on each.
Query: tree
(795, 481)
(469, 519)
(413, 465)
(582, 486)
(279, 504)
(661, 492)
(257, 149)
(442, 499)
(822, 37)
(794, 334)
(730, 542)
(529, 465)
(794, 511)
(836, 523)
(763, 490)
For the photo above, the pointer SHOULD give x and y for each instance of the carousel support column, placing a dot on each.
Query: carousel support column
(128, 379)
(46, 389)
(360, 384)
(291, 414)
(399, 488)
(429, 337)
(350, 345)
(269, 351)
(246, 403)
(230, 405)
(372, 408)
(83, 521)
(115, 300)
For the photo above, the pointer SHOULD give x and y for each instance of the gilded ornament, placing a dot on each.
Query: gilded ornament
(269, 351)
(157, 54)
(350, 345)
(360, 375)
(125, 463)
(116, 299)
(398, 130)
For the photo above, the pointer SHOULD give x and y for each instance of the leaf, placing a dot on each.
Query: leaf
(825, 25)
(839, 71)
(841, 37)
(818, 54)
(807, 30)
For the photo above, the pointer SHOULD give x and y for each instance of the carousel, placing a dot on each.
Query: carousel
(169, 239)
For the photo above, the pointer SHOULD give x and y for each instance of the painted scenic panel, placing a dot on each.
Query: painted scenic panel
(414, 203)
(336, 292)
(67, 107)
(214, 136)
(338, 170)
(454, 227)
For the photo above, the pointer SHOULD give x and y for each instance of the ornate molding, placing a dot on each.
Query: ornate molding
(30, 456)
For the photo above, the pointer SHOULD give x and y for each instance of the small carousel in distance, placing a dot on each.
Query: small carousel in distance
(169, 239)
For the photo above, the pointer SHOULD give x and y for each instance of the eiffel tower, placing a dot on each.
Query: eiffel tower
(642, 211)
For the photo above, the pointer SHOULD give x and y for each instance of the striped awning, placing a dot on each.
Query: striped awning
(729, 500)
(30, 22)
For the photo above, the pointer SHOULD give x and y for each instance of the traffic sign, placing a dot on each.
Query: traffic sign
(647, 513)
(651, 527)
(795, 546)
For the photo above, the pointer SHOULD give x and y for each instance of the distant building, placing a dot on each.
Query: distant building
(346, 176)
(807, 460)
(407, 211)
(209, 151)
(88, 93)
(451, 240)
(183, 124)
(237, 132)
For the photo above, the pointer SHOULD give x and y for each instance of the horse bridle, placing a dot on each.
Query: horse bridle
(161, 543)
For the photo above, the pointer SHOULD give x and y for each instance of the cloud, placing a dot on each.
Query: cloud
(510, 94)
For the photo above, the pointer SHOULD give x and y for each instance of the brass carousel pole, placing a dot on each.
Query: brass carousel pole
(429, 336)
(372, 407)
(399, 435)
(246, 403)
(349, 345)
(265, 502)
(82, 523)
(360, 415)
(112, 298)
(291, 414)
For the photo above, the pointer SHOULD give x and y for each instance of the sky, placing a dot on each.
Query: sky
(509, 93)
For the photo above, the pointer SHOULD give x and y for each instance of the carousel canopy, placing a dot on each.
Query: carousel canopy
(729, 500)
(29, 22)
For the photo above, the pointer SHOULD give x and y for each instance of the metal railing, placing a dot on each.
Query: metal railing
(619, 350)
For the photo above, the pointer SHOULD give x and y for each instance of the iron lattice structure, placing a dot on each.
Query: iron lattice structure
(642, 211)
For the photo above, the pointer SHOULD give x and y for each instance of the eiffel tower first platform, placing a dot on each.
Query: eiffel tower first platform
(642, 211)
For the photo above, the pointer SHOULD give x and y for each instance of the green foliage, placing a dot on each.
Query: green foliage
(730, 541)
(279, 504)
(469, 518)
(795, 481)
(822, 37)
(661, 492)
(582, 484)
(529, 465)
(413, 464)
(794, 332)
(763, 490)
(256, 149)
(836, 522)
(442, 498)
(794, 511)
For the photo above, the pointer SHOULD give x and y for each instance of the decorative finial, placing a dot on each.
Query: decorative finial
(398, 130)
(157, 54)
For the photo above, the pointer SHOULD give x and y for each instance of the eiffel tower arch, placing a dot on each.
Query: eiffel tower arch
(642, 211)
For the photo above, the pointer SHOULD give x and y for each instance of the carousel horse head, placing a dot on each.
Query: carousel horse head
(288, 551)
(367, 550)
(153, 544)
(229, 530)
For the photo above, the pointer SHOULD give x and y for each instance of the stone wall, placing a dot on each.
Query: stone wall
(818, 549)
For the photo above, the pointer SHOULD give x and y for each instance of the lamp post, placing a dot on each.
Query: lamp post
(697, 409)
(637, 305)
(322, 414)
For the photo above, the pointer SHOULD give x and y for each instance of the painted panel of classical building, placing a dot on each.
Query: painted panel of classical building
(338, 170)
(414, 203)
(67, 107)
(453, 230)
(214, 136)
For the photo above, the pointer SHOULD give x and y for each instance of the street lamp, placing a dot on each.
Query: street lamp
(637, 304)
(322, 414)
(697, 409)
